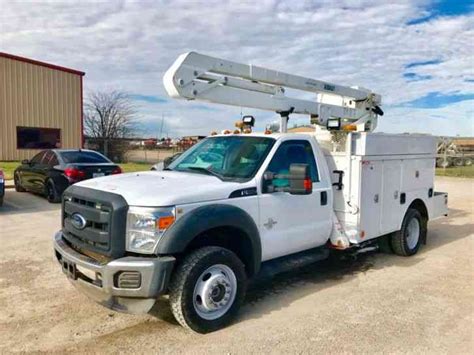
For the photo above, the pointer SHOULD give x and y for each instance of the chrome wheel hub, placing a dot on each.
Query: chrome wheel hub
(413, 233)
(214, 292)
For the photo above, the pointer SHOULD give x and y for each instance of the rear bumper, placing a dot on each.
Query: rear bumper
(100, 281)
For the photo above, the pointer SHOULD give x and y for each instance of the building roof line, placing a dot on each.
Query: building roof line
(43, 64)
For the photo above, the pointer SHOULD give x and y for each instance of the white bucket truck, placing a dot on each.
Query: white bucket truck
(236, 202)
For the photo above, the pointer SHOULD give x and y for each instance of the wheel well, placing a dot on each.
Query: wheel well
(46, 183)
(420, 206)
(231, 238)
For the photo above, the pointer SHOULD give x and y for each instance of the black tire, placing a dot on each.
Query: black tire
(17, 181)
(52, 193)
(401, 241)
(185, 280)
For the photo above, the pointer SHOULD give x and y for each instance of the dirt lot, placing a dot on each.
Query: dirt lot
(379, 303)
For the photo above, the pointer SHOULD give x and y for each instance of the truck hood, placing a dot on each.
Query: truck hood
(165, 188)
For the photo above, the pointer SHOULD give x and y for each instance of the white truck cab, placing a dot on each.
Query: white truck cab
(235, 202)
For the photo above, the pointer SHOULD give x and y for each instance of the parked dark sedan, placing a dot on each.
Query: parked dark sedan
(50, 172)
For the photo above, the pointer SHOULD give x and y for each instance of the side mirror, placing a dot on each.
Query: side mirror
(25, 162)
(300, 180)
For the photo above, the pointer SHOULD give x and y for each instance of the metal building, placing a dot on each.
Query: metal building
(40, 107)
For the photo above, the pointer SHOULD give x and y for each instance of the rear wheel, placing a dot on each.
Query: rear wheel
(17, 181)
(458, 162)
(408, 239)
(52, 193)
(207, 289)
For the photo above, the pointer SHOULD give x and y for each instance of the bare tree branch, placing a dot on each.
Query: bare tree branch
(109, 115)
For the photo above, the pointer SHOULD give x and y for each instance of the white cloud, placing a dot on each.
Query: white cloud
(129, 45)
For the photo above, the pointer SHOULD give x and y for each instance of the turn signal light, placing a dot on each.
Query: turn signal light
(164, 222)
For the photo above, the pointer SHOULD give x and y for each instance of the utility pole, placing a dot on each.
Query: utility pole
(161, 128)
(161, 134)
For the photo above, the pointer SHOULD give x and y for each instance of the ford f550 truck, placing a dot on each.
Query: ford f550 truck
(212, 219)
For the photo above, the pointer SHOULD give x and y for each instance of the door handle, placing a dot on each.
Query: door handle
(324, 198)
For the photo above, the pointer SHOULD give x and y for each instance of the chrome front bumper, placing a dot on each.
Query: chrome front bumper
(99, 281)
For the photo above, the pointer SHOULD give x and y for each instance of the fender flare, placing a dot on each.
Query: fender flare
(192, 224)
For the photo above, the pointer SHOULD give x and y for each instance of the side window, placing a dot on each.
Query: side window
(38, 157)
(292, 152)
(47, 157)
(50, 159)
(53, 161)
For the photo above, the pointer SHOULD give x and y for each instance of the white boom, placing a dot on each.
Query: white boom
(194, 76)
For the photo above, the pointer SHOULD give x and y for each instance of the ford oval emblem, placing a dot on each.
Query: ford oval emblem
(78, 221)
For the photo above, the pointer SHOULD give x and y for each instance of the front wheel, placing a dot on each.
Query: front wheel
(408, 239)
(207, 289)
(17, 181)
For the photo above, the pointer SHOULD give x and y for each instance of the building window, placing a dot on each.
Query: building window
(38, 138)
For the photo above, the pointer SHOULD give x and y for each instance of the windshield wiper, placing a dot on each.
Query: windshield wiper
(206, 170)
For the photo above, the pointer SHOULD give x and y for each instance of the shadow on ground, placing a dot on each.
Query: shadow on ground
(25, 202)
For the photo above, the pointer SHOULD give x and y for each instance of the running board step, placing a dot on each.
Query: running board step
(293, 261)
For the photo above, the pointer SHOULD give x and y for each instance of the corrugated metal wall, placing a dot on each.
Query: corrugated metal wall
(36, 96)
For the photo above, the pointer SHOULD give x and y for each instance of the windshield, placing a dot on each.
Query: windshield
(83, 157)
(231, 157)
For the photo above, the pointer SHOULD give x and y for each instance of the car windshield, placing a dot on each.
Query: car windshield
(79, 157)
(229, 158)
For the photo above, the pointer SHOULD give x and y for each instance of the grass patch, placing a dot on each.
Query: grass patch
(8, 168)
(457, 171)
(132, 167)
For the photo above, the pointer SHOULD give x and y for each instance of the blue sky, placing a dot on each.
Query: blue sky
(417, 54)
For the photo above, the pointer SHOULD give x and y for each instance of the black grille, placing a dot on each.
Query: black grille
(105, 215)
(97, 215)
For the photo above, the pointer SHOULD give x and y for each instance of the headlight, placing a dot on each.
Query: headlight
(145, 226)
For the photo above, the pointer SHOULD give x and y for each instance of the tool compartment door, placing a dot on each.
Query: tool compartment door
(390, 198)
(439, 205)
(370, 198)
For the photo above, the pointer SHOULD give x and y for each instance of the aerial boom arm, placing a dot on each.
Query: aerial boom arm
(194, 76)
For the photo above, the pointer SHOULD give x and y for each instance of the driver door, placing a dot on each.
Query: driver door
(292, 223)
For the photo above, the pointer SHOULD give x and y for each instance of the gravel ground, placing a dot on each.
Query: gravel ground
(379, 303)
